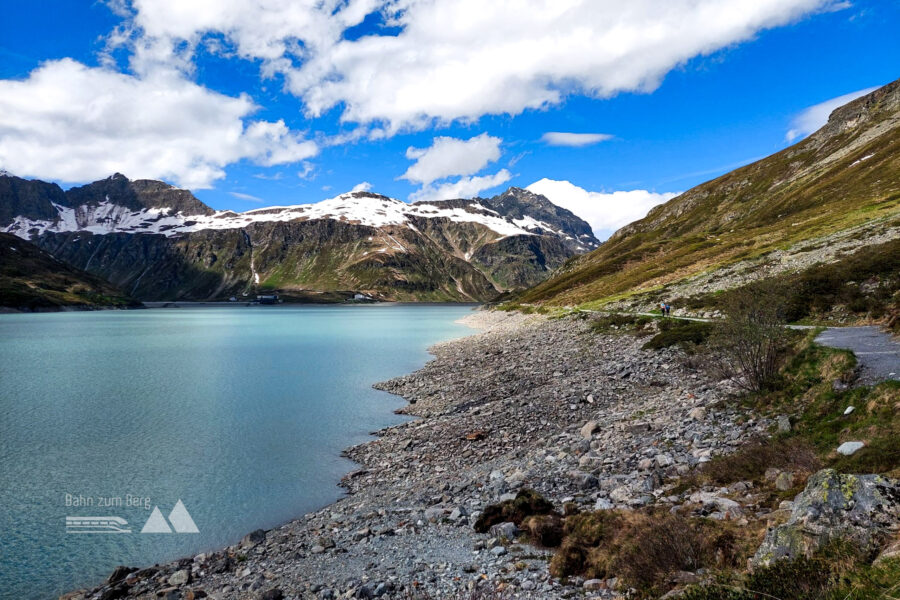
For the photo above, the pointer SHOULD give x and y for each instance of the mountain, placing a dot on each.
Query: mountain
(827, 197)
(158, 242)
(31, 279)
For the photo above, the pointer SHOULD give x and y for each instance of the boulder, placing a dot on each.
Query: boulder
(862, 509)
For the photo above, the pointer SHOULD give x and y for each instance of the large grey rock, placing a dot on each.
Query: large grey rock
(862, 509)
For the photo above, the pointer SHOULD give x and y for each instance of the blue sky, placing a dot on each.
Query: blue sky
(173, 89)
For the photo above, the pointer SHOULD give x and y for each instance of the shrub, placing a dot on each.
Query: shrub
(526, 503)
(544, 530)
(642, 548)
(751, 341)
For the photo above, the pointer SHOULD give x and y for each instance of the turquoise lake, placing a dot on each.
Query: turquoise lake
(240, 413)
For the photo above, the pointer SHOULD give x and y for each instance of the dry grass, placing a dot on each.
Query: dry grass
(643, 548)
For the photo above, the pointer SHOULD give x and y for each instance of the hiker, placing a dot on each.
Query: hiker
(662, 308)
(668, 309)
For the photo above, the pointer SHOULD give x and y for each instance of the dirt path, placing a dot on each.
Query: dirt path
(878, 354)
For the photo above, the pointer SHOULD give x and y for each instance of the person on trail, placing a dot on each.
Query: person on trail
(662, 308)
(668, 309)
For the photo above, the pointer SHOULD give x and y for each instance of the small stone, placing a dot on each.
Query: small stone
(603, 504)
(434, 514)
(272, 594)
(253, 538)
(849, 410)
(507, 530)
(119, 573)
(784, 481)
(588, 429)
(498, 550)
(181, 577)
(784, 424)
(594, 584)
(620, 494)
(848, 448)
(697, 414)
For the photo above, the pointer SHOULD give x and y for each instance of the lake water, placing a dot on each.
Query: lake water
(240, 413)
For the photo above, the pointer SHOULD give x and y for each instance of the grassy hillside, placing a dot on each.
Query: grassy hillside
(842, 184)
(31, 279)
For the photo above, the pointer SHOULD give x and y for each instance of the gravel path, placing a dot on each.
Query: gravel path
(877, 352)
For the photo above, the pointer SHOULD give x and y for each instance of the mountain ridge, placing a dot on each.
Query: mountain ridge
(834, 189)
(458, 249)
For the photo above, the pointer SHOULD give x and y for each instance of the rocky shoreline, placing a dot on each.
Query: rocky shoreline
(528, 402)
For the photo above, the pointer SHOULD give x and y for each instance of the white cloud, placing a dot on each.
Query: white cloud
(465, 187)
(814, 117)
(606, 212)
(442, 61)
(363, 186)
(451, 156)
(558, 138)
(307, 171)
(75, 123)
(247, 197)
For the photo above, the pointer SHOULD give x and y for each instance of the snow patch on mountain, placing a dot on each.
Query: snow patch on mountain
(363, 208)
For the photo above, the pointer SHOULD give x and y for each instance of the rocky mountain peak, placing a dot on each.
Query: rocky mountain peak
(136, 195)
(881, 105)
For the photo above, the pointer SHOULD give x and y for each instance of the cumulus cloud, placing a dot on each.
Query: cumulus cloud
(75, 123)
(441, 61)
(363, 186)
(814, 117)
(605, 211)
(449, 156)
(576, 140)
(464, 187)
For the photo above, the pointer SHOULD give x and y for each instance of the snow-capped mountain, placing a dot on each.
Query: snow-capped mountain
(455, 249)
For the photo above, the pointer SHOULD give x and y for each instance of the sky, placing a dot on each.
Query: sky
(606, 107)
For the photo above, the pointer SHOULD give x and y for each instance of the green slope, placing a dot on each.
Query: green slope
(840, 184)
(31, 279)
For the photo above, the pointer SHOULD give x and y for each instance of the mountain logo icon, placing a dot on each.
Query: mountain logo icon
(180, 519)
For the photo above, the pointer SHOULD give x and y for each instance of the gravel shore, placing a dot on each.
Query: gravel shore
(527, 402)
